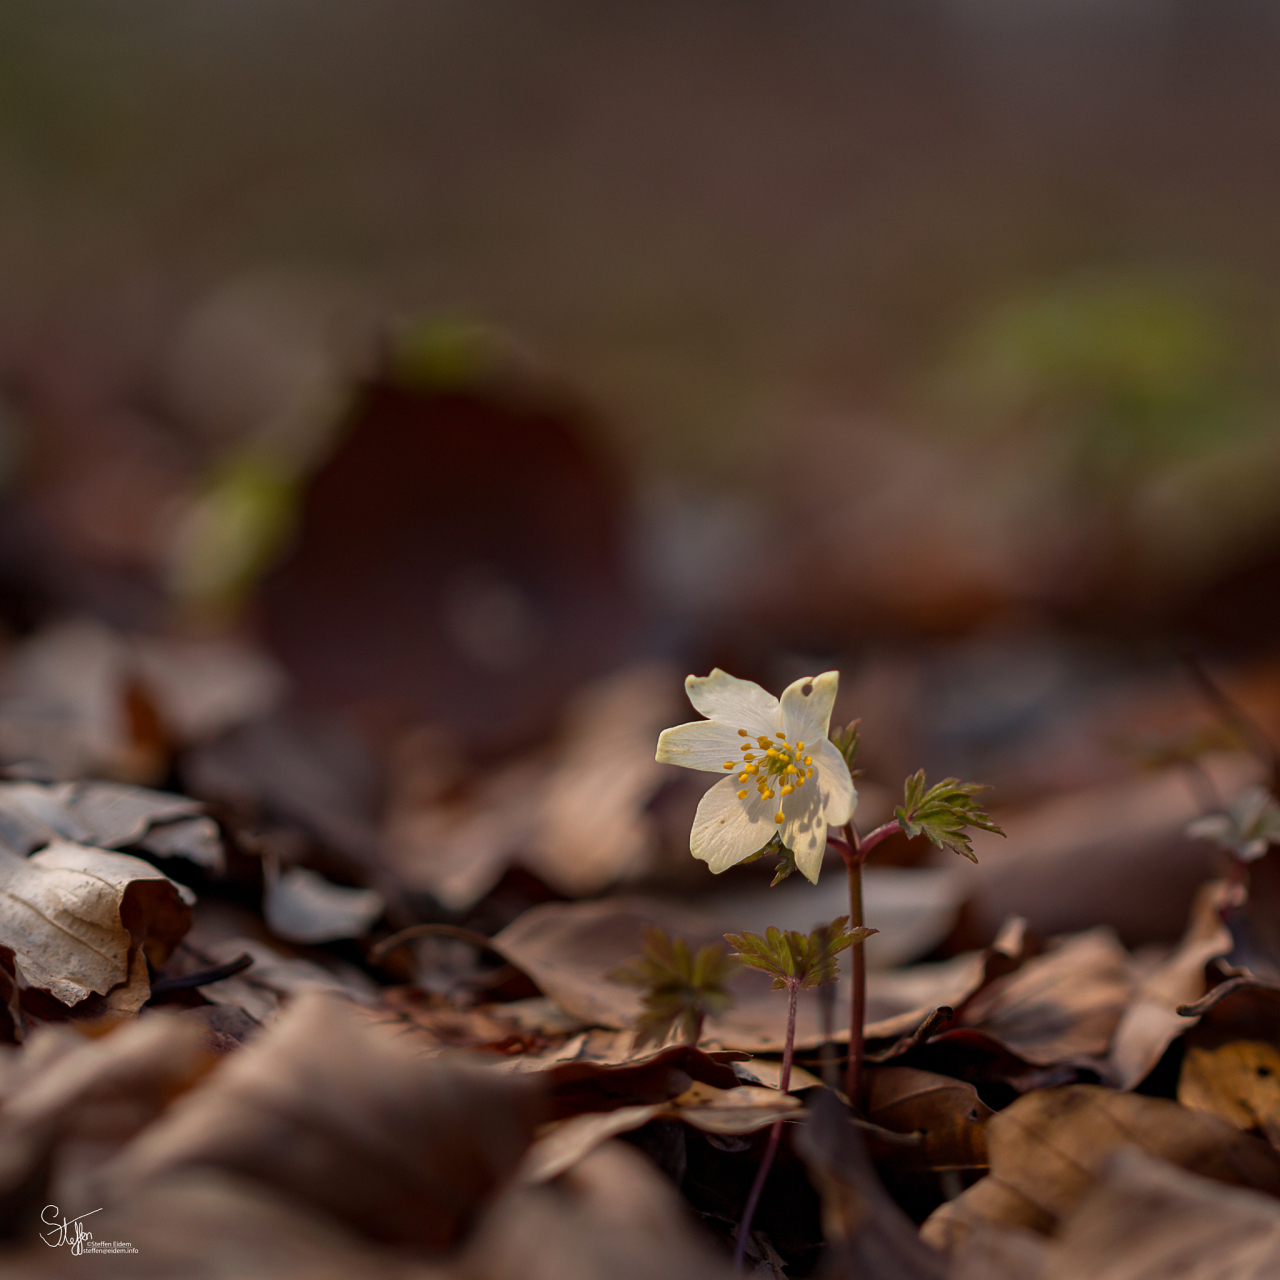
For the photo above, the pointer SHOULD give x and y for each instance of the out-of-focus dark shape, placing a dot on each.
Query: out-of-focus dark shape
(460, 558)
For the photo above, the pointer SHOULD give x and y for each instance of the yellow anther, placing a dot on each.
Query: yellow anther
(800, 782)
(799, 746)
(783, 736)
(742, 733)
(768, 795)
(728, 764)
(779, 817)
(742, 795)
(743, 776)
(763, 741)
(772, 753)
(791, 769)
(748, 755)
(808, 759)
(786, 791)
(808, 773)
(755, 768)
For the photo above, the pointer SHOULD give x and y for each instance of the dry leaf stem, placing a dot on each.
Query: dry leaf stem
(775, 1133)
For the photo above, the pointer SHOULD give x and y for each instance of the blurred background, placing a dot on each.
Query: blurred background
(398, 399)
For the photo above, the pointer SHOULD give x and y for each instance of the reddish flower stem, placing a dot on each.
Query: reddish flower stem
(775, 1133)
(854, 851)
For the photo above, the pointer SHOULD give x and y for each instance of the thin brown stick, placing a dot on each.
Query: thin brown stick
(857, 971)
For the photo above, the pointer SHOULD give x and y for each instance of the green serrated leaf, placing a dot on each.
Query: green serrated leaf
(942, 813)
(681, 988)
(797, 959)
(845, 742)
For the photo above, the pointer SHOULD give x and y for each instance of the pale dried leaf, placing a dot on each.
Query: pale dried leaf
(77, 919)
(301, 906)
(1047, 1148)
(1147, 1220)
(346, 1116)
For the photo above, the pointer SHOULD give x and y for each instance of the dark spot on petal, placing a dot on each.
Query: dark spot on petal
(807, 689)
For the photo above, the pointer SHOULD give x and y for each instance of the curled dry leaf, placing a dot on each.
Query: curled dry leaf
(1153, 1019)
(1046, 1151)
(867, 1234)
(947, 1113)
(347, 1117)
(80, 922)
(727, 1112)
(1147, 1220)
(1230, 1064)
(611, 1217)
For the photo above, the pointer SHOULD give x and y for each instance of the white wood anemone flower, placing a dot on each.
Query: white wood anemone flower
(785, 776)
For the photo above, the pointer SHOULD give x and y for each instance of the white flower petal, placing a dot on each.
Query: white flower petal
(831, 775)
(806, 707)
(726, 830)
(702, 744)
(805, 830)
(737, 703)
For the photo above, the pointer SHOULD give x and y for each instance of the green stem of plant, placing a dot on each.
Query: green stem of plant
(775, 1133)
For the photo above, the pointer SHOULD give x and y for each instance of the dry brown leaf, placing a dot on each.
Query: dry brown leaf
(1238, 1080)
(107, 815)
(1147, 1220)
(610, 1217)
(947, 1113)
(727, 1112)
(347, 1117)
(1152, 1022)
(575, 815)
(1061, 1006)
(81, 922)
(262, 989)
(567, 948)
(867, 1235)
(72, 1102)
(1046, 1151)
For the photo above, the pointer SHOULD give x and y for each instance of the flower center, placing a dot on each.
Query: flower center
(771, 762)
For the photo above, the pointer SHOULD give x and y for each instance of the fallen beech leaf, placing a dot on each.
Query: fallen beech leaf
(1238, 1080)
(1047, 1148)
(1153, 1020)
(301, 906)
(947, 1113)
(1147, 1220)
(991, 1253)
(610, 1217)
(80, 922)
(76, 1101)
(568, 947)
(345, 1116)
(727, 1112)
(867, 1235)
(589, 1086)
(1059, 1006)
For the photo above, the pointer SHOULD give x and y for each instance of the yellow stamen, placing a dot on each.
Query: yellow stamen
(748, 755)
(808, 773)
(728, 764)
(799, 746)
(742, 733)
(779, 817)
(791, 769)
(808, 759)
(783, 736)
(743, 776)
(786, 791)
(771, 752)
(742, 795)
